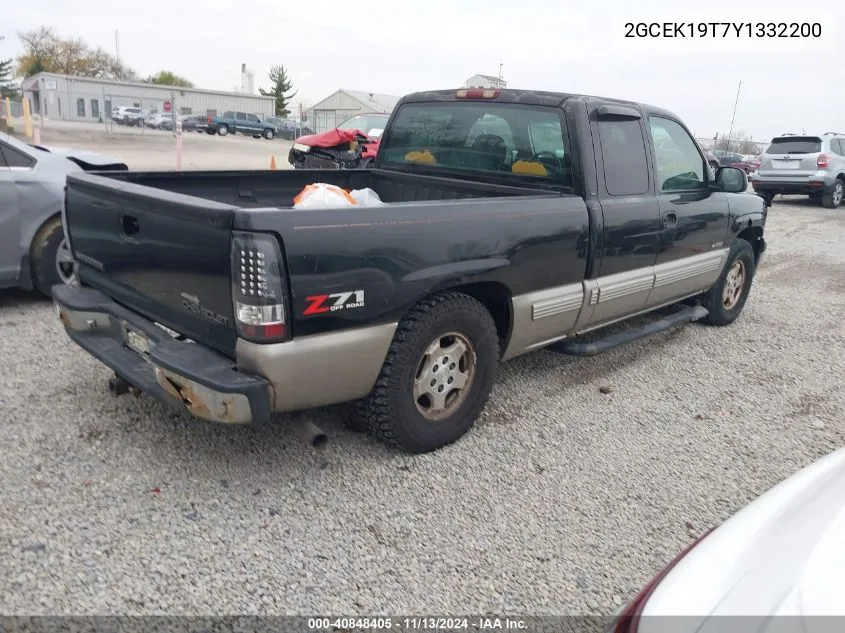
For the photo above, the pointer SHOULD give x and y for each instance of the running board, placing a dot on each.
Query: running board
(573, 348)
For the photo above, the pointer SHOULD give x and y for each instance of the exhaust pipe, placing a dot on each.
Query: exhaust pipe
(310, 433)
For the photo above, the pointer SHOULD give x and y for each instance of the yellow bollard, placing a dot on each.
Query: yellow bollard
(27, 119)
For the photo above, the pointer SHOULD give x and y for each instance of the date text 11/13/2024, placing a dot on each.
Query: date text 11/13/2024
(481, 623)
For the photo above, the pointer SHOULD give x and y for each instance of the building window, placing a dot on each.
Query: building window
(185, 110)
(95, 108)
(80, 107)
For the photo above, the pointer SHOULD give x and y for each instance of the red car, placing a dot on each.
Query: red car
(735, 160)
(353, 144)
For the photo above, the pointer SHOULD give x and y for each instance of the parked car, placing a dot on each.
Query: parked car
(124, 115)
(808, 164)
(195, 123)
(781, 555)
(240, 123)
(482, 250)
(33, 251)
(161, 121)
(288, 128)
(329, 149)
(738, 161)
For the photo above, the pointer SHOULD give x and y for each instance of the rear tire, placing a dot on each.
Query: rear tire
(50, 259)
(222, 129)
(726, 299)
(445, 340)
(833, 198)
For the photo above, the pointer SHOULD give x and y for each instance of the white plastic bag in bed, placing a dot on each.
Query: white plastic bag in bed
(366, 197)
(320, 195)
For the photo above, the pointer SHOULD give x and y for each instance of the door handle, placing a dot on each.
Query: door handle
(670, 219)
(129, 224)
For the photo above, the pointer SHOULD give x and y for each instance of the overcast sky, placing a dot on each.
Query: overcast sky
(400, 47)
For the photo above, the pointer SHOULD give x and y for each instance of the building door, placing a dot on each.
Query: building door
(108, 109)
(325, 120)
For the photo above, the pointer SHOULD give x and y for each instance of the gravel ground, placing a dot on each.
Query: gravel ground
(563, 500)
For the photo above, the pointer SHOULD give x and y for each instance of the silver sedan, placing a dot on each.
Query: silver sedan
(33, 249)
(781, 555)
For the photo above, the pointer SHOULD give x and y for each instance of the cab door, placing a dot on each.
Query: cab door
(629, 211)
(693, 215)
(241, 124)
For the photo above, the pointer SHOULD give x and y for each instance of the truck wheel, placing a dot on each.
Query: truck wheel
(222, 129)
(728, 295)
(437, 375)
(832, 198)
(50, 258)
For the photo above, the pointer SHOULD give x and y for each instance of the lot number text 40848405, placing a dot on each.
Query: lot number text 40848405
(723, 29)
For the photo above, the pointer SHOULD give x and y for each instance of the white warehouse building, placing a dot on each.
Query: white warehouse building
(71, 98)
(343, 104)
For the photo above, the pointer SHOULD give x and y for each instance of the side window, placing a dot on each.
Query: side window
(240, 116)
(838, 146)
(14, 158)
(624, 157)
(680, 165)
(228, 115)
(252, 118)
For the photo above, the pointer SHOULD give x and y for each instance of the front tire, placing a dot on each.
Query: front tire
(50, 258)
(437, 376)
(726, 299)
(833, 197)
(269, 135)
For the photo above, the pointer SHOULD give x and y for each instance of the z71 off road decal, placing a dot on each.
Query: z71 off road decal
(317, 304)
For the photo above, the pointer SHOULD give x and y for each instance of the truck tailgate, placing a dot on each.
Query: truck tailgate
(162, 254)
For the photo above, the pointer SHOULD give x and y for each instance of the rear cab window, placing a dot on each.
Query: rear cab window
(623, 154)
(475, 138)
(795, 145)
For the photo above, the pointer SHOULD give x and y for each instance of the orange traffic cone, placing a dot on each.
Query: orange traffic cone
(273, 162)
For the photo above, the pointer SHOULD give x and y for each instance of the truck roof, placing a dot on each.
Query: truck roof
(532, 97)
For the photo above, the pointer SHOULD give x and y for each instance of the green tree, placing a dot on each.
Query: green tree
(281, 90)
(168, 78)
(46, 51)
(6, 87)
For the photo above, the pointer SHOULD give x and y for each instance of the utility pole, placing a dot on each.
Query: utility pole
(500, 75)
(117, 53)
(730, 132)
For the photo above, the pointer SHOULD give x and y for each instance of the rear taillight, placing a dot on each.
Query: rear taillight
(823, 161)
(259, 288)
(629, 618)
(209, 119)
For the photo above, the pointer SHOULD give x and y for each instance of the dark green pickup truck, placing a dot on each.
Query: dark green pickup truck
(242, 123)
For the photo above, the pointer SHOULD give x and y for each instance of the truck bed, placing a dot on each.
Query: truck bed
(159, 243)
(258, 189)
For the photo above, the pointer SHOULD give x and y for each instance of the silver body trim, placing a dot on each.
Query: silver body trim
(319, 370)
(546, 316)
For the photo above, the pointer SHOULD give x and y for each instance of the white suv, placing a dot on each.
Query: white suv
(128, 116)
(803, 164)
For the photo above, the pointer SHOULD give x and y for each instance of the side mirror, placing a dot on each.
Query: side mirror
(731, 180)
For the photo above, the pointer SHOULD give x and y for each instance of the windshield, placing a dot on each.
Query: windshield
(504, 139)
(369, 124)
(795, 145)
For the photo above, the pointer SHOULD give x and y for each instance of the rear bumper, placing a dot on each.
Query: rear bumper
(804, 185)
(186, 376)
